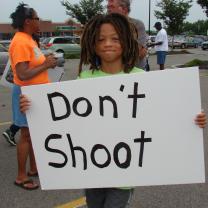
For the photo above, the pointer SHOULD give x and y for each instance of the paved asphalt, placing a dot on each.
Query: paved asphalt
(177, 196)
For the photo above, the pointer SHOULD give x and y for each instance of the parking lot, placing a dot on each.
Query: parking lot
(177, 196)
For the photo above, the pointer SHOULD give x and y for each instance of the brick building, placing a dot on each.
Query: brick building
(47, 29)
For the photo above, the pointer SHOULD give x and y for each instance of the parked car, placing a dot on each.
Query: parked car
(204, 45)
(151, 38)
(198, 40)
(183, 42)
(5, 43)
(4, 56)
(62, 44)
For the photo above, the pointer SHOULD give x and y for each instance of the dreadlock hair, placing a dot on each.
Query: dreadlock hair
(21, 13)
(128, 37)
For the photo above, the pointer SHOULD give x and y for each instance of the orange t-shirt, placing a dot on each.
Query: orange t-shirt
(24, 49)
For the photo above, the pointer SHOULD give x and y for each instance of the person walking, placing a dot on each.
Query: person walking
(161, 45)
(124, 7)
(29, 67)
(9, 134)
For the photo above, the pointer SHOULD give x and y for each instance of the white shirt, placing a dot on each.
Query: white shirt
(162, 37)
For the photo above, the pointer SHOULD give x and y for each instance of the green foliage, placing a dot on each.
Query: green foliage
(173, 13)
(194, 62)
(83, 11)
(72, 56)
(204, 5)
(196, 28)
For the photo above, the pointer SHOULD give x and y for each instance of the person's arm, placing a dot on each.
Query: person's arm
(24, 73)
(142, 38)
(142, 41)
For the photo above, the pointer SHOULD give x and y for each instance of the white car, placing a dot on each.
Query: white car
(4, 56)
(62, 44)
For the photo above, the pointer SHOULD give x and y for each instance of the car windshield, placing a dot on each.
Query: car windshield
(46, 41)
(2, 48)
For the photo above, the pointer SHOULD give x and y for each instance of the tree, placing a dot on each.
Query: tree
(204, 5)
(196, 28)
(173, 13)
(85, 10)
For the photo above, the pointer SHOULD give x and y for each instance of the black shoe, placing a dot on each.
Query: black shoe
(9, 137)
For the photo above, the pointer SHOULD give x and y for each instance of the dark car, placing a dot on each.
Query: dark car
(198, 40)
(204, 45)
(4, 56)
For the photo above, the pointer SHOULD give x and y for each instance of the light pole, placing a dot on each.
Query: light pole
(147, 67)
(149, 16)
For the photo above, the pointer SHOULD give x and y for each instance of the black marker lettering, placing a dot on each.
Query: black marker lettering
(55, 165)
(142, 140)
(117, 148)
(135, 96)
(68, 108)
(102, 99)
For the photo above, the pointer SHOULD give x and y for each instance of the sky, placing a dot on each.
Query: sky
(53, 10)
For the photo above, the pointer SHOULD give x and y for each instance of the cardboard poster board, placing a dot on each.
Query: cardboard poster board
(55, 75)
(117, 131)
(7, 77)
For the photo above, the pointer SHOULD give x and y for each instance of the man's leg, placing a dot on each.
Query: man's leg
(95, 197)
(162, 66)
(161, 56)
(119, 198)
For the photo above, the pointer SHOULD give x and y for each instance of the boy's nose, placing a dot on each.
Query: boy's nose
(108, 43)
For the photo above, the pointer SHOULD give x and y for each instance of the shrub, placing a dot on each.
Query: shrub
(194, 62)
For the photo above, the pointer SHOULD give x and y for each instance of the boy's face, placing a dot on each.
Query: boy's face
(113, 6)
(108, 46)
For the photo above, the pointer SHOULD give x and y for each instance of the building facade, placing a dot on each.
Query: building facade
(47, 29)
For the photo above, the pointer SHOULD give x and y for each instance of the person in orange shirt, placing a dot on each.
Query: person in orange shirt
(29, 67)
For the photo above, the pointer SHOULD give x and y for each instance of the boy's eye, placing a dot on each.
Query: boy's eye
(115, 38)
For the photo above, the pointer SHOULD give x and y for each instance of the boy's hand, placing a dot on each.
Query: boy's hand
(24, 103)
(201, 120)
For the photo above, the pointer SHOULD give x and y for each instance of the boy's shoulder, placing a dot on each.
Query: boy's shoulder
(98, 73)
(85, 74)
(136, 70)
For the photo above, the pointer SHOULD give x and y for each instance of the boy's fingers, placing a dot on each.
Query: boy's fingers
(201, 119)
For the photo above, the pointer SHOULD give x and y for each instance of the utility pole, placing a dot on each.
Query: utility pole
(149, 16)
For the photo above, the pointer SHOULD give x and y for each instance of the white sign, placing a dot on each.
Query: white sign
(55, 75)
(124, 130)
(7, 77)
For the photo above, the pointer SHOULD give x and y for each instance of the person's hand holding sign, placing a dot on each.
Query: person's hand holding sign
(200, 120)
(24, 103)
